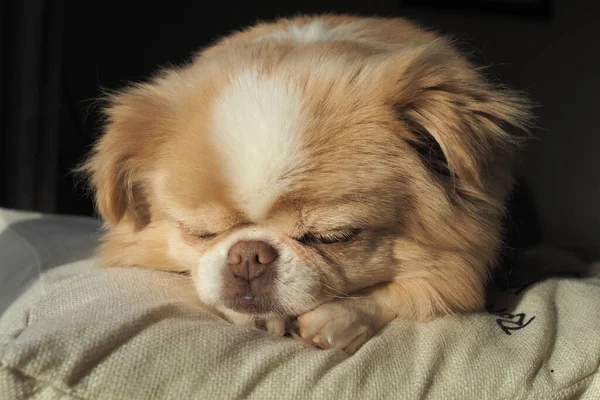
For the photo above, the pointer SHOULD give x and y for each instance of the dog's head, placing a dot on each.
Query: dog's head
(282, 173)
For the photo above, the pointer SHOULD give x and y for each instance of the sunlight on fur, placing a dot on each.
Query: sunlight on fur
(332, 170)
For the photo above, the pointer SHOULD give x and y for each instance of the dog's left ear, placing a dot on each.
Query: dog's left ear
(135, 125)
(461, 124)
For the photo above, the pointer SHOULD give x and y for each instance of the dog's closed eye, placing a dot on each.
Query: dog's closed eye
(197, 234)
(338, 236)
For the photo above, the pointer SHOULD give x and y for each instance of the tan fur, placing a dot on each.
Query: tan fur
(428, 241)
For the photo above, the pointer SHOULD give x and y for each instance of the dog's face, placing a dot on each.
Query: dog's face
(284, 173)
(307, 187)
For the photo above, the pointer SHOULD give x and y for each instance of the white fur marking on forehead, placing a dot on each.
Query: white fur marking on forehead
(317, 31)
(256, 128)
(314, 31)
(311, 32)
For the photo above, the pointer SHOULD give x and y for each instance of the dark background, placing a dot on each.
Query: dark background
(56, 54)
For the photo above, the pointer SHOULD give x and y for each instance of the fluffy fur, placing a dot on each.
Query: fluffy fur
(370, 133)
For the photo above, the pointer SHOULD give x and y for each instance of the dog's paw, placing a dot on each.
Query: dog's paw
(337, 325)
(274, 325)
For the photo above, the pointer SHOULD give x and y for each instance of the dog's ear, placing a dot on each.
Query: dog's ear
(457, 121)
(134, 124)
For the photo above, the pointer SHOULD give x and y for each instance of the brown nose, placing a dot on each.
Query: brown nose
(250, 259)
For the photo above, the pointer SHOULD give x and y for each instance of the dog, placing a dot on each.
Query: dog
(331, 170)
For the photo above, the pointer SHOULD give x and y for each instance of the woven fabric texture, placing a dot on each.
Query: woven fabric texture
(76, 332)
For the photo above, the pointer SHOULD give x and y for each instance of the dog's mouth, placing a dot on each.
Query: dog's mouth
(256, 304)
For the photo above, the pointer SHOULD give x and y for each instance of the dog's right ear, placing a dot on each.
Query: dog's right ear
(135, 120)
(462, 125)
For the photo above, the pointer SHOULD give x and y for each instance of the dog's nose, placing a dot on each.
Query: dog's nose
(250, 259)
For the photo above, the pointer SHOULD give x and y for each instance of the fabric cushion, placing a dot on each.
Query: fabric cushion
(77, 332)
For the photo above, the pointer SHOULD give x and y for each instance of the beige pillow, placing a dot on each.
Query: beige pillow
(84, 333)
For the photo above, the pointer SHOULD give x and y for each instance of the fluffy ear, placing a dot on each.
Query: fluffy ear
(460, 124)
(134, 123)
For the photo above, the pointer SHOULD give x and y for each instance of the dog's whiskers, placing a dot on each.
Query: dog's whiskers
(336, 294)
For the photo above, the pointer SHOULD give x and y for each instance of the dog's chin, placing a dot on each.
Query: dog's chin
(264, 306)
(255, 305)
